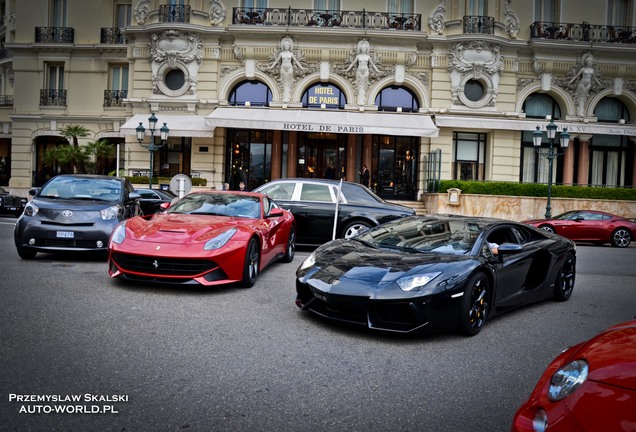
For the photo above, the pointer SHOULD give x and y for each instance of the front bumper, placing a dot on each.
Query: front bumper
(47, 237)
(404, 315)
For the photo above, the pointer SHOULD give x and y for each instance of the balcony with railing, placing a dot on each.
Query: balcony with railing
(112, 36)
(174, 13)
(583, 32)
(479, 24)
(326, 18)
(54, 35)
(52, 97)
(115, 98)
(6, 101)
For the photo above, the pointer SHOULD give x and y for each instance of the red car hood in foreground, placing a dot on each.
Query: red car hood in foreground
(612, 356)
(180, 228)
(605, 401)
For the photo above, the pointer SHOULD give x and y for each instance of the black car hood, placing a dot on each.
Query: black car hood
(353, 268)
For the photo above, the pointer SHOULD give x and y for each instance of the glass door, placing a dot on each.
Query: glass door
(394, 170)
(321, 155)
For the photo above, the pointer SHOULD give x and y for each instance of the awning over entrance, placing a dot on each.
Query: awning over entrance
(531, 125)
(179, 125)
(306, 120)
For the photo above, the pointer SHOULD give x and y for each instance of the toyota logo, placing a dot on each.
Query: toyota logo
(155, 264)
(67, 213)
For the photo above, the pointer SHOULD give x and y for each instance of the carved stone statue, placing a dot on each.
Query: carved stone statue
(217, 12)
(586, 76)
(437, 19)
(142, 11)
(286, 60)
(362, 62)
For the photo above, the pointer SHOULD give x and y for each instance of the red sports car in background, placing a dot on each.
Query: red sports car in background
(590, 226)
(207, 238)
(590, 387)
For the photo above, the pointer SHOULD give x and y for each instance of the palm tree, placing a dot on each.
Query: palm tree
(73, 133)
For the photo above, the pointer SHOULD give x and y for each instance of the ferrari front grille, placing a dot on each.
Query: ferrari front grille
(164, 266)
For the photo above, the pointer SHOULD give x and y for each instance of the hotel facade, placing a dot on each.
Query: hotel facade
(260, 90)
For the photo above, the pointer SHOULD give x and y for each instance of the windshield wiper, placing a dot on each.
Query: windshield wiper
(209, 213)
(364, 242)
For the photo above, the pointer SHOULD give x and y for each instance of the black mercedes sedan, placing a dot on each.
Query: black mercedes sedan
(313, 204)
(442, 272)
(74, 213)
(152, 199)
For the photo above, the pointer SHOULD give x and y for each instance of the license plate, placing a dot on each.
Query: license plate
(65, 234)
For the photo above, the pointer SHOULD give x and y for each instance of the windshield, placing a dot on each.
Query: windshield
(425, 235)
(82, 188)
(567, 215)
(221, 204)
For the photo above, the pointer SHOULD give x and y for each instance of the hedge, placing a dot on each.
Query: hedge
(165, 180)
(537, 190)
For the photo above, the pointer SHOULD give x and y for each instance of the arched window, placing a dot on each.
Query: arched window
(534, 168)
(394, 97)
(611, 110)
(254, 92)
(539, 105)
(328, 95)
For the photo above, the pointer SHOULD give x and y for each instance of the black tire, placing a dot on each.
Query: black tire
(291, 246)
(26, 253)
(621, 237)
(564, 284)
(475, 305)
(353, 228)
(547, 228)
(251, 265)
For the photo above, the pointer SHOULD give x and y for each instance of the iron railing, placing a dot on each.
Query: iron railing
(326, 18)
(115, 98)
(6, 101)
(479, 24)
(52, 97)
(112, 36)
(174, 13)
(583, 32)
(54, 35)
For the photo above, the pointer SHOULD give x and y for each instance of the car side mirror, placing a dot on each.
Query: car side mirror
(509, 248)
(33, 191)
(276, 212)
(165, 205)
(134, 195)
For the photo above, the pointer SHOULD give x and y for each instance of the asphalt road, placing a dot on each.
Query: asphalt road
(230, 359)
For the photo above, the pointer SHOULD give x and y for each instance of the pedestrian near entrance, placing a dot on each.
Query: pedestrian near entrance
(364, 176)
(243, 187)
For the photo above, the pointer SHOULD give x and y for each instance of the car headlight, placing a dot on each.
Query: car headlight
(220, 240)
(567, 379)
(112, 212)
(309, 261)
(416, 282)
(119, 234)
(31, 209)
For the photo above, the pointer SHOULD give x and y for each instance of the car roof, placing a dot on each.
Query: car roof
(308, 180)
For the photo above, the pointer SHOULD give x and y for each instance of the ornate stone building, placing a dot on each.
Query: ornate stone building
(258, 90)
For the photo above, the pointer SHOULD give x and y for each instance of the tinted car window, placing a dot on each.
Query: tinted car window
(280, 191)
(355, 194)
(315, 192)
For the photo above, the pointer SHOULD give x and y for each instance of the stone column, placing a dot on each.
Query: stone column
(277, 152)
(292, 154)
(633, 140)
(582, 177)
(350, 170)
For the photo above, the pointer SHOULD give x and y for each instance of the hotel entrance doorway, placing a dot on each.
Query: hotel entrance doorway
(321, 155)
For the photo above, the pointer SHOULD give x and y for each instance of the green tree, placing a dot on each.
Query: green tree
(101, 152)
(78, 155)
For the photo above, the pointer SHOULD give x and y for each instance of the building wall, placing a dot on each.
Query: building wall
(229, 52)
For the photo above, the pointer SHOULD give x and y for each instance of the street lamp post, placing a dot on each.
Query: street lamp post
(152, 147)
(537, 138)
